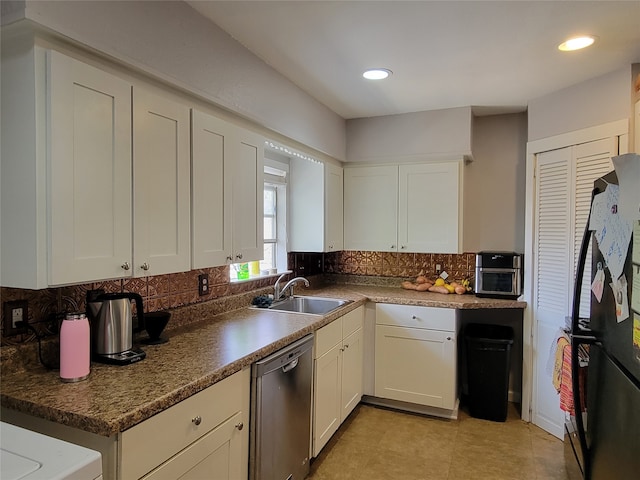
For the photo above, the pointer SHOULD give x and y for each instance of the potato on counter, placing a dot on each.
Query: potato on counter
(421, 284)
(439, 285)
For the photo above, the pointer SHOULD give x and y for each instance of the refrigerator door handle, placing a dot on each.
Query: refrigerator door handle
(585, 339)
(578, 337)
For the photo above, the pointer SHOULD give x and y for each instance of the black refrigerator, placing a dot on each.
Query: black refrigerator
(607, 441)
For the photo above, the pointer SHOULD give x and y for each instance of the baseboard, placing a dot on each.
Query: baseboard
(413, 407)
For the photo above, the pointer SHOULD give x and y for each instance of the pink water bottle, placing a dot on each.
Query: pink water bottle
(75, 361)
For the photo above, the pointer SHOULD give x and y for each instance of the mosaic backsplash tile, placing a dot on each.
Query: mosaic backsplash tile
(48, 306)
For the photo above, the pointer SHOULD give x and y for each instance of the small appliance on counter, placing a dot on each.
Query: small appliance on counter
(75, 350)
(499, 275)
(112, 327)
(154, 323)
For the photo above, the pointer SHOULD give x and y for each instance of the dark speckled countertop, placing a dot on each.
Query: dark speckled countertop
(115, 398)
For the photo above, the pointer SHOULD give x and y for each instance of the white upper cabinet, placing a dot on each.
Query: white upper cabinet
(429, 208)
(334, 208)
(66, 171)
(315, 208)
(371, 208)
(161, 185)
(248, 197)
(404, 208)
(227, 197)
(89, 131)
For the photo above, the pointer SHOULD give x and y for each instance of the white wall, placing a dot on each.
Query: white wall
(595, 102)
(171, 41)
(434, 134)
(494, 184)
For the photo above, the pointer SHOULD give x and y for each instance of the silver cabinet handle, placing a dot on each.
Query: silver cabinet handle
(393, 247)
(448, 338)
(413, 317)
(346, 346)
(229, 258)
(239, 256)
(197, 420)
(402, 247)
(125, 266)
(240, 426)
(144, 266)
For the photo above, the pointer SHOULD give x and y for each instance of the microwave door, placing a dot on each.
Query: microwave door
(497, 281)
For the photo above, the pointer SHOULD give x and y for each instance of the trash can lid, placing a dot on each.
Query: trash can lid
(489, 333)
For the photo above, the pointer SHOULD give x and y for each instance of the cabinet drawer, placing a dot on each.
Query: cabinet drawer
(327, 337)
(215, 455)
(152, 442)
(432, 318)
(352, 321)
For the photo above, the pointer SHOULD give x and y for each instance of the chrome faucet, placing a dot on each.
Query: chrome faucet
(279, 292)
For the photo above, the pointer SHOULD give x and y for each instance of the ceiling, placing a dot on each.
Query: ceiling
(493, 55)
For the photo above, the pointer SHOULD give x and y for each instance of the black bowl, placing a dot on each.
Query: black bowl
(154, 323)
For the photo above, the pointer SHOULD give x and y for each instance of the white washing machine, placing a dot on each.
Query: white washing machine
(27, 455)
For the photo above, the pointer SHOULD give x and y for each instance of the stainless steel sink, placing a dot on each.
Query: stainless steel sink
(309, 305)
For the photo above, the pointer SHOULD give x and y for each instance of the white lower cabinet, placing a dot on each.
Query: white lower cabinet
(204, 436)
(415, 355)
(215, 455)
(337, 375)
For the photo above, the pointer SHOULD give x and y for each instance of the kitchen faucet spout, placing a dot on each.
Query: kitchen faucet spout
(279, 293)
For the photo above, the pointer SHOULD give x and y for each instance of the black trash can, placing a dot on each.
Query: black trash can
(488, 364)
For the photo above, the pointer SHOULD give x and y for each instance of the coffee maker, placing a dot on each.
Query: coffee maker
(112, 329)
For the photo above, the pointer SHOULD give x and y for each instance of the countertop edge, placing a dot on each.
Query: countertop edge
(358, 295)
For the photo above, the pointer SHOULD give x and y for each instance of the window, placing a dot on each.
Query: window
(269, 261)
(274, 223)
(275, 215)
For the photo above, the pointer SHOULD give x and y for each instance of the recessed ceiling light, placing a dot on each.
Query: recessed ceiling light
(576, 43)
(377, 73)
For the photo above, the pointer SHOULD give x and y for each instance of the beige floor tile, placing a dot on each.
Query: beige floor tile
(379, 444)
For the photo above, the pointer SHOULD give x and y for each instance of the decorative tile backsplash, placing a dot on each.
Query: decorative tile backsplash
(164, 292)
(400, 265)
(46, 307)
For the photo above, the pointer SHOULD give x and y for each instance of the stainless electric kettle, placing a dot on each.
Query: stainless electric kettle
(111, 318)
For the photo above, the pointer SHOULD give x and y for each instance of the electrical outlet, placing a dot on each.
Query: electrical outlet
(438, 268)
(14, 312)
(203, 284)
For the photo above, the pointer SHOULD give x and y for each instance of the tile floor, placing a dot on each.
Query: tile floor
(378, 444)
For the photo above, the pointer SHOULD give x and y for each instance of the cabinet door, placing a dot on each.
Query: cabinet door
(89, 127)
(371, 208)
(416, 365)
(334, 204)
(211, 196)
(161, 174)
(429, 208)
(217, 455)
(307, 211)
(248, 198)
(327, 388)
(352, 373)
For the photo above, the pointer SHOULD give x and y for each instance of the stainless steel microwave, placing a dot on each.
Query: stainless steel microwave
(499, 274)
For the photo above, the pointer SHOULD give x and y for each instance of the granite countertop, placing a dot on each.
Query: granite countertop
(115, 398)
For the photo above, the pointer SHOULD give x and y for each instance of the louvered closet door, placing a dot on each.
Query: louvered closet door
(592, 160)
(553, 267)
(564, 180)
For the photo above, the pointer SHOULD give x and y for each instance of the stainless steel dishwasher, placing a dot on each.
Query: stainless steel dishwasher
(280, 428)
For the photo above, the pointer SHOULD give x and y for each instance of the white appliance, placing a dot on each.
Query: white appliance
(27, 455)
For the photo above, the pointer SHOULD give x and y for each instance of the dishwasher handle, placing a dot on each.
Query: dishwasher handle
(290, 366)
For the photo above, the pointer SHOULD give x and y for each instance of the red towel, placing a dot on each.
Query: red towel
(566, 387)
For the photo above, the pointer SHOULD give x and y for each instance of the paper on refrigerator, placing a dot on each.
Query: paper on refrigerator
(628, 172)
(612, 231)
